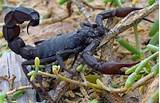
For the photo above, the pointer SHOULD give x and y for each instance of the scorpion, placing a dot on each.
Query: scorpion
(84, 40)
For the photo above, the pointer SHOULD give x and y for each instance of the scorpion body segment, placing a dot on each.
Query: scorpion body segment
(62, 42)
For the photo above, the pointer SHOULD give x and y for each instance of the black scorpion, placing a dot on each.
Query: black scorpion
(60, 48)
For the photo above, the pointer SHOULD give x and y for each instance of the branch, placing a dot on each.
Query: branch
(9, 79)
(105, 88)
(20, 88)
(127, 22)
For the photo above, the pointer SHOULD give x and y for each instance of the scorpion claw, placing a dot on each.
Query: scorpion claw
(114, 67)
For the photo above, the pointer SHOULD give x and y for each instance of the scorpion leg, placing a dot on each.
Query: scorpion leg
(75, 58)
(60, 61)
(103, 67)
(60, 54)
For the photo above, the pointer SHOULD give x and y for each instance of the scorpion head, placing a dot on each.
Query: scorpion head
(94, 29)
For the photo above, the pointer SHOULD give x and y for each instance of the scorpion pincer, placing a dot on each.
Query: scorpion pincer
(84, 40)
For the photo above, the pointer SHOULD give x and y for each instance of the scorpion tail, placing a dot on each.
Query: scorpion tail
(11, 30)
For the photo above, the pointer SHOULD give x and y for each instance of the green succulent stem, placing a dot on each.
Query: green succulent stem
(145, 61)
(154, 98)
(137, 37)
(86, 84)
(155, 69)
(18, 89)
(96, 86)
(152, 48)
(128, 46)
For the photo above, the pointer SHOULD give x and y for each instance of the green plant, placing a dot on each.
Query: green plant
(17, 95)
(154, 98)
(37, 66)
(114, 2)
(93, 101)
(3, 97)
(61, 2)
(149, 64)
(154, 29)
(125, 44)
(12, 95)
(150, 2)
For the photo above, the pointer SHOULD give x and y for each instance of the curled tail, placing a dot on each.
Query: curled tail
(11, 29)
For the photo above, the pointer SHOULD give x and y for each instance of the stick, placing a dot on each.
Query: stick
(127, 22)
(19, 88)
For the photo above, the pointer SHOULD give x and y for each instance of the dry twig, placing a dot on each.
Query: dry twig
(127, 22)
(19, 88)
(10, 80)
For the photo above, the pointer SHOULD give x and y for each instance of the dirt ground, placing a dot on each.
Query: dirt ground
(51, 9)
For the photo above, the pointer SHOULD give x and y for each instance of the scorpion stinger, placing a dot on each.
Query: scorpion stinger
(34, 21)
(28, 28)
